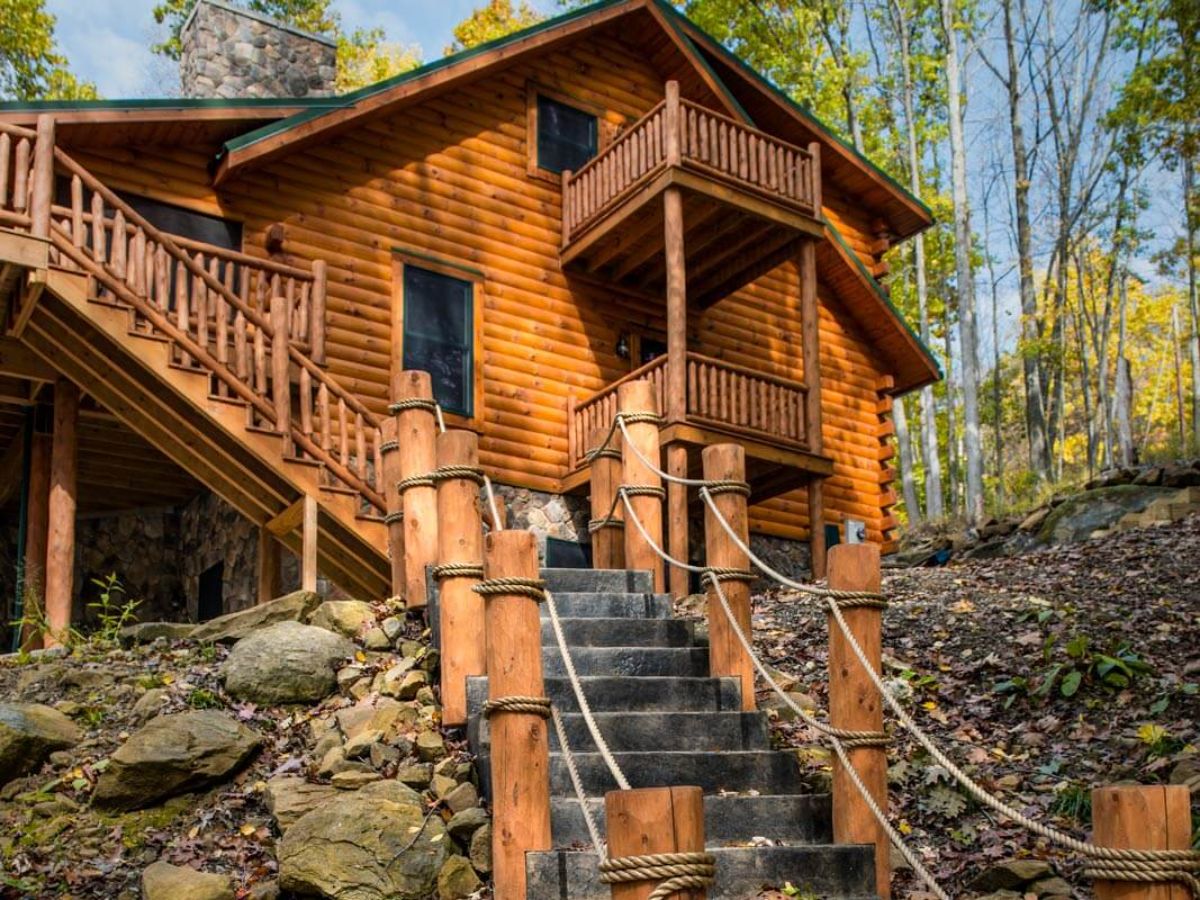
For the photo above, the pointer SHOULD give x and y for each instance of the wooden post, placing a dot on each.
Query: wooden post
(308, 557)
(520, 741)
(638, 397)
(42, 197)
(677, 517)
(460, 541)
(320, 271)
(60, 547)
(676, 409)
(268, 566)
(671, 124)
(811, 341)
(416, 430)
(727, 657)
(608, 543)
(647, 821)
(37, 518)
(814, 151)
(1142, 817)
(390, 449)
(855, 705)
(281, 387)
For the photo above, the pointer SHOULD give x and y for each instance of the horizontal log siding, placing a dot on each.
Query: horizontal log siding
(449, 178)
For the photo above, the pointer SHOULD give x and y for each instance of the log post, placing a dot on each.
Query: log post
(647, 821)
(671, 124)
(320, 271)
(727, 657)
(268, 566)
(281, 388)
(394, 516)
(1141, 817)
(308, 540)
(416, 430)
(676, 411)
(855, 705)
(677, 518)
(520, 740)
(638, 397)
(36, 529)
(42, 189)
(60, 545)
(608, 541)
(811, 341)
(460, 543)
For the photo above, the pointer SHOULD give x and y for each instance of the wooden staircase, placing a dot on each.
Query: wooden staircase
(177, 343)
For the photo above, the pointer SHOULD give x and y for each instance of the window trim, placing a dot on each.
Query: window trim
(405, 256)
(604, 127)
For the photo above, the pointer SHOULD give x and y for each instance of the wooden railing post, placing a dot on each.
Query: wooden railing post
(308, 541)
(416, 431)
(320, 272)
(281, 387)
(42, 196)
(568, 207)
(638, 397)
(727, 657)
(460, 543)
(519, 740)
(394, 512)
(60, 546)
(855, 705)
(671, 125)
(1141, 817)
(649, 821)
(608, 541)
(814, 152)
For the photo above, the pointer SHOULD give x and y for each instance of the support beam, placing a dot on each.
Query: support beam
(37, 523)
(268, 566)
(416, 431)
(677, 518)
(60, 546)
(811, 341)
(608, 541)
(676, 306)
(308, 555)
(638, 397)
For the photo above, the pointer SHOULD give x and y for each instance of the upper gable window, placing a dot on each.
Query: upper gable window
(567, 136)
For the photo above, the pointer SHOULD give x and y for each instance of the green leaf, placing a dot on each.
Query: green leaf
(1070, 684)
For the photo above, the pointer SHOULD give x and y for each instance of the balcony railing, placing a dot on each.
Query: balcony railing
(678, 132)
(721, 396)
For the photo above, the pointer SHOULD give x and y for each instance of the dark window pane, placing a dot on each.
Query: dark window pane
(438, 334)
(652, 349)
(566, 136)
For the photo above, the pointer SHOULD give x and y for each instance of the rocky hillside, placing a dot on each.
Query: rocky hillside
(291, 749)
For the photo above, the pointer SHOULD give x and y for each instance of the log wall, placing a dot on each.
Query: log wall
(449, 178)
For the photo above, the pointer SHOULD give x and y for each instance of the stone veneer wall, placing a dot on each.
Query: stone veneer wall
(230, 52)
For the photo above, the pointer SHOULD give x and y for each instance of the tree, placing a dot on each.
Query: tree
(366, 57)
(308, 15)
(494, 19)
(31, 67)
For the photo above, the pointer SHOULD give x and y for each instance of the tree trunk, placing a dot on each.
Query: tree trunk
(908, 482)
(1193, 297)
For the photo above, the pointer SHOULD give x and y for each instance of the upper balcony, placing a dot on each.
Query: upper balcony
(748, 198)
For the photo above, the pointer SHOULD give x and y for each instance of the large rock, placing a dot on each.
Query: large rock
(163, 881)
(346, 617)
(146, 632)
(294, 607)
(286, 663)
(291, 796)
(1077, 517)
(174, 754)
(357, 847)
(1011, 874)
(30, 732)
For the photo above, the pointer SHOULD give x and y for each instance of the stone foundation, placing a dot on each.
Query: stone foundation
(546, 515)
(785, 556)
(142, 548)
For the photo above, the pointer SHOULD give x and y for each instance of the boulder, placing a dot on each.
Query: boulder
(285, 663)
(294, 607)
(1011, 874)
(344, 617)
(29, 733)
(1151, 476)
(163, 881)
(1078, 516)
(146, 632)
(174, 754)
(364, 846)
(481, 849)
(1180, 476)
(457, 880)
(150, 704)
(291, 796)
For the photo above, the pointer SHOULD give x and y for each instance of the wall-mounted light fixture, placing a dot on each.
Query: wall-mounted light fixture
(622, 348)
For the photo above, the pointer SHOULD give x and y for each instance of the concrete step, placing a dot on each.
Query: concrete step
(619, 581)
(626, 731)
(619, 632)
(616, 693)
(687, 662)
(793, 819)
(610, 605)
(845, 871)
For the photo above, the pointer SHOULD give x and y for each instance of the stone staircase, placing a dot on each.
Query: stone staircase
(669, 723)
(1165, 509)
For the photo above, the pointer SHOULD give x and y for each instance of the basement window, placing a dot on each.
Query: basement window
(567, 136)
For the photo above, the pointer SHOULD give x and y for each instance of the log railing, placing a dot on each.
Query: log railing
(225, 313)
(720, 395)
(681, 133)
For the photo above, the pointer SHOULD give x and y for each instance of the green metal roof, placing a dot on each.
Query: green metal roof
(167, 103)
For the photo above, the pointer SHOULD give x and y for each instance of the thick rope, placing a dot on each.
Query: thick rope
(413, 403)
(619, 420)
(1148, 871)
(643, 490)
(533, 588)
(412, 481)
(466, 473)
(457, 570)
(577, 782)
(393, 517)
(517, 703)
(674, 871)
(387, 446)
(595, 525)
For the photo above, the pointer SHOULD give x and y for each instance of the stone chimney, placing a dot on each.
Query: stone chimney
(230, 52)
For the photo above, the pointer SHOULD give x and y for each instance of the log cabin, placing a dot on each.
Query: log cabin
(206, 298)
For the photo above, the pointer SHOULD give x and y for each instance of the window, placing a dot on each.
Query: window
(566, 135)
(439, 334)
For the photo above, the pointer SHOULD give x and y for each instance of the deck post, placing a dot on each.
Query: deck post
(460, 543)
(671, 124)
(1141, 817)
(416, 430)
(520, 740)
(37, 519)
(855, 705)
(389, 449)
(42, 194)
(650, 821)
(308, 542)
(727, 657)
(281, 387)
(811, 340)
(60, 544)
(268, 566)
(608, 540)
(638, 397)
(320, 271)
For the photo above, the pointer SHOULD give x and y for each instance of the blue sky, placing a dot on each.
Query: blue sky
(108, 41)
